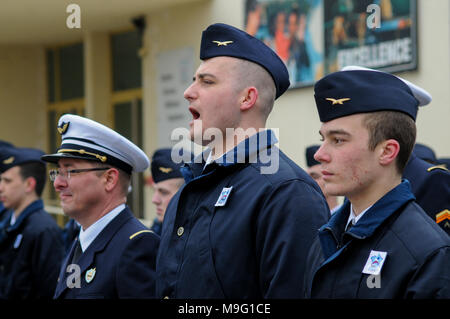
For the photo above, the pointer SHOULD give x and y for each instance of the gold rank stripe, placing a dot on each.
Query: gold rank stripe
(100, 157)
(445, 214)
(140, 232)
(437, 167)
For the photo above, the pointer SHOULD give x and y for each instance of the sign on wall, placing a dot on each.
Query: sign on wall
(376, 34)
(174, 76)
(317, 37)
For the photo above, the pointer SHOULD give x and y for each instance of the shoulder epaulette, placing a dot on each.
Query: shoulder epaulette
(429, 169)
(140, 232)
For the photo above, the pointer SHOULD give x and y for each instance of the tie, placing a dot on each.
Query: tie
(350, 225)
(77, 253)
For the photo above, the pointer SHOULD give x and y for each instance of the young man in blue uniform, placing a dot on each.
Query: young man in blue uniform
(114, 255)
(380, 244)
(242, 224)
(315, 172)
(166, 180)
(31, 248)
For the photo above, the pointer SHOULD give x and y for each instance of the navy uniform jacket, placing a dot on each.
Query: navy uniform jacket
(119, 263)
(255, 245)
(417, 260)
(431, 186)
(31, 252)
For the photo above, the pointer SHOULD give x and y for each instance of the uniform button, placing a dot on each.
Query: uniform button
(180, 231)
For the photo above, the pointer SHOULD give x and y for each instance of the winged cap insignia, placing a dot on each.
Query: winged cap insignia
(222, 43)
(165, 169)
(9, 160)
(337, 101)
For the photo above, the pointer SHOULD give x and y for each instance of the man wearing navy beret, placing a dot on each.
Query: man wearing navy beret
(114, 255)
(380, 243)
(242, 224)
(31, 248)
(166, 180)
(315, 172)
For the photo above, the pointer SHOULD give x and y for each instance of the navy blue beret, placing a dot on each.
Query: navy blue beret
(224, 40)
(424, 152)
(444, 161)
(363, 90)
(14, 156)
(163, 167)
(310, 151)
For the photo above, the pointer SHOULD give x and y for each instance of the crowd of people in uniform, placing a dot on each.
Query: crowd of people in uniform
(224, 228)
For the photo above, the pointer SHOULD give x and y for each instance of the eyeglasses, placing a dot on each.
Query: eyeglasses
(54, 173)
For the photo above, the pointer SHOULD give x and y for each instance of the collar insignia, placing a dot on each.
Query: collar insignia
(224, 43)
(63, 127)
(165, 169)
(337, 101)
(445, 214)
(8, 160)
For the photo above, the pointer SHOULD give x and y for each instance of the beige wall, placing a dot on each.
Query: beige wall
(22, 96)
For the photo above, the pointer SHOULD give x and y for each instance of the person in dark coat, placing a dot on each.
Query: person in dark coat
(166, 180)
(114, 255)
(242, 224)
(380, 243)
(430, 184)
(314, 171)
(31, 249)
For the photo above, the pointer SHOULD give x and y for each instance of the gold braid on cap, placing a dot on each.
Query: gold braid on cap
(100, 157)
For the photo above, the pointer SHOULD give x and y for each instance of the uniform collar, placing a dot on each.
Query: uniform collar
(385, 207)
(245, 152)
(30, 209)
(87, 236)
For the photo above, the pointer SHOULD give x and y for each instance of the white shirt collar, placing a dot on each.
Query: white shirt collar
(87, 236)
(353, 218)
(13, 219)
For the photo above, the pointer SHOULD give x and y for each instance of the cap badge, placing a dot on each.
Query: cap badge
(224, 43)
(8, 160)
(165, 170)
(63, 127)
(337, 101)
(90, 275)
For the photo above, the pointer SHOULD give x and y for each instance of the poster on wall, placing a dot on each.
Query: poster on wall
(174, 75)
(293, 29)
(317, 37)
(379, 34)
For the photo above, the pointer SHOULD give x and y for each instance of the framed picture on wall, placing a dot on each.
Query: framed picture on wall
(379, 34)
(317, 37)
(293, 29)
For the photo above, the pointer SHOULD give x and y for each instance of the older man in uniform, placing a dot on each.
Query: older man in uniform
(31, 248)
(242, 224)
(114, 255)
(380, 243)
